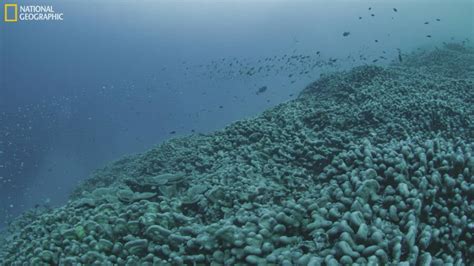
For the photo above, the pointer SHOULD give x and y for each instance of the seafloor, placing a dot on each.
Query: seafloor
(370, 166)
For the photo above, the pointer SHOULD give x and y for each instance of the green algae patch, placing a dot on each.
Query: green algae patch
(80, 232)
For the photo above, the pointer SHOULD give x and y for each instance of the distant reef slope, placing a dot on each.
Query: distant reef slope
(372, 165)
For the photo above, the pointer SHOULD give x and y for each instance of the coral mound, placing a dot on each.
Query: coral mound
(370, 166)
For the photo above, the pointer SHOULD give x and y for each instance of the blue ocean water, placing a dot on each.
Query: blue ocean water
(117, 77)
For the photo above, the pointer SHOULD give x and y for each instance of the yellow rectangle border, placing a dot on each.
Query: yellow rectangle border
(6, 13)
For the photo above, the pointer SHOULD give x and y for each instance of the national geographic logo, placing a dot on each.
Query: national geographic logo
(10, 13)
(15, 13)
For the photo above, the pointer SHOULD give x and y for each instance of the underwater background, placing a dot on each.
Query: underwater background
(278, 132)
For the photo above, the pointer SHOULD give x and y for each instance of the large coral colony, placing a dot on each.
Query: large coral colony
(369, 166)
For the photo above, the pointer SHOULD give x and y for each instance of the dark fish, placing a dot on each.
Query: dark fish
(428, 36)
(220, 106)
(370, 8)
(375, 60)
(318, 52)
(172, 132)
(261, 90)
(376, 40)
(346, 33)
(438, 19)
(426, 23)
(373, 15)
(395, 10)
(360, 17)
(192, 130)
(399, 55)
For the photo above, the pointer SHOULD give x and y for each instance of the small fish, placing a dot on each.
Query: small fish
(261, 90)
(346, 33)
(220, 106)
(395, 10)
(428, 36)
(426, 23)
(438, 19)
(172, 132)
(375, 60)
(360, 17)
(376, 40)
(370, 8)
(373, 15)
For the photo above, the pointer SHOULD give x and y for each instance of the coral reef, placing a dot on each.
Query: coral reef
(370, 166)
